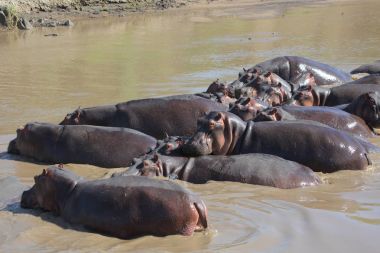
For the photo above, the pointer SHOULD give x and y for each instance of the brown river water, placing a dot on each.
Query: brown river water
(112, 60)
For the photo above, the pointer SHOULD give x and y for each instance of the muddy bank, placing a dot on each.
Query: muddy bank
(51, 13)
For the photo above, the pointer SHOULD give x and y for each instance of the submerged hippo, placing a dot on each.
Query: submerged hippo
(259, 169)
(158, 117)
(343, 94)
(319, 147)
(330, 116)
(100, 146)
(123, 207)
(294, 69)
(372, 68)
(370, 79)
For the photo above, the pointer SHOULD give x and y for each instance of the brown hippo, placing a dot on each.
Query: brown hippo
(367, 107)
(158, 117)
(292, 68)
(372, 68)
(258, 169)
(343, 94)
(319, 147)
(247, 107)
(101, 146)
(330, 116)
(123, 207)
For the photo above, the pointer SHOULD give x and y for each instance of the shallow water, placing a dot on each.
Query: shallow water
(117, 59)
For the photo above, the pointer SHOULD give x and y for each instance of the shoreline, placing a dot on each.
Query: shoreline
(53, 13)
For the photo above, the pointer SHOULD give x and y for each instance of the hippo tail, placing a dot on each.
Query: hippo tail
(202, 212)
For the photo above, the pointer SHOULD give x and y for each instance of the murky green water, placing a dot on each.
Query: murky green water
(117, 59)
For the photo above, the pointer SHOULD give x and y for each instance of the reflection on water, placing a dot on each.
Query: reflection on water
(112, 60)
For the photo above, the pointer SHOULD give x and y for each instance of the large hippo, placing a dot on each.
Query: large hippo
(123, 207)
(259, 169)
(294, 68)
(342, 94)
(101, 146)
(372, 68)
(158, 117)
(321, 148)
(330, 116)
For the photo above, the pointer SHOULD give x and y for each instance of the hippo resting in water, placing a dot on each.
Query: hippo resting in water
(158, 117)
(372, 68)
(319, 147)
(260, 169)
(294, 69)
(101, 146)
(329, 116)
(123, 207)
(342, 94)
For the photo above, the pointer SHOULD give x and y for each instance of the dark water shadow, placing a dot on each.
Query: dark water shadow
(20, 158)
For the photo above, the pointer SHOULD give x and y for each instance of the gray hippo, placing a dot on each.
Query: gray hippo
(372, 68)
(123, 207)
(100, 146)
(330, 116)
(158, 117)
(294, 69)
(258, 169)
(319, 147)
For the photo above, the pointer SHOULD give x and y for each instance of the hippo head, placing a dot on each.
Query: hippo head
(304, 96)
(31, 137)
(367, 106)
(247, 75)
(272, 114)
(49, 190)
(152, 167)
(73, 118)
(218, 133)
(247, 108)
(217, 87)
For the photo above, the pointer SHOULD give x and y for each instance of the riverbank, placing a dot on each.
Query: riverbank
(25, 15)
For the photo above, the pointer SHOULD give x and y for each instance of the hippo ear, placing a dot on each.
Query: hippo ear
(145, 163)
(155, 157)
(254, 71)
(219, 116)
(44, 172)
(244, 70)
(268, 74)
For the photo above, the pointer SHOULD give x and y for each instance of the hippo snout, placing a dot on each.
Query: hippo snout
(197, 146)
(12, 148)
(29, 199)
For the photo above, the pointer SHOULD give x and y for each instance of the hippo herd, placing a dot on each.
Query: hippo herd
(276, 125)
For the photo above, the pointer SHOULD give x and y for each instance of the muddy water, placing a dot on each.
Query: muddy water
(113, 60)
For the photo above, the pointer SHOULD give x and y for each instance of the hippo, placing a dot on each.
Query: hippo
(101, 146)
(370, 79)
(258, 169)
(247, 107)
(123, 207)
(293, 69)
(318, 147)
(372, 68)
(367, 107)
(330, 116)
(343, 94)
(158, 117)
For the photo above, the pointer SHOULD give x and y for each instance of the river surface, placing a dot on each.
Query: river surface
(111, 60)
